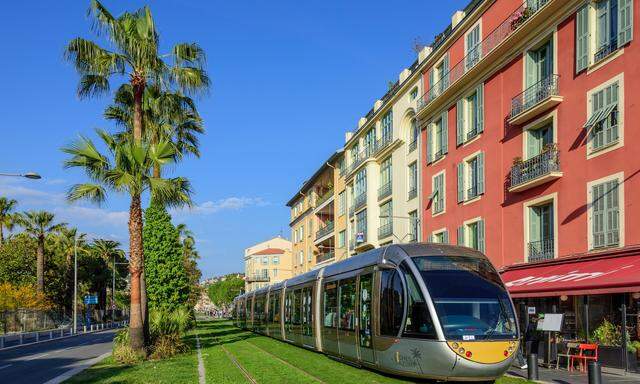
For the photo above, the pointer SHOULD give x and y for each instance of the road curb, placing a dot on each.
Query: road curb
(57, 338)
(81, 367)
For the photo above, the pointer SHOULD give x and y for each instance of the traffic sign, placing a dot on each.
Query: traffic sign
(359, 238)
(91, 299)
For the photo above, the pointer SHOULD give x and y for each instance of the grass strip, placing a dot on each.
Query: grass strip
(287, 363)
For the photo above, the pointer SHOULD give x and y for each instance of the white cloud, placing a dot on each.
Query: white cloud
(95, 216)
(226, 204)
(30, 195)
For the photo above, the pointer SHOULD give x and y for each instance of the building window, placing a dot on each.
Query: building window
(265, 260)
(342, 203)
(438, 193)
(471, 234)
(538, 140)
(387, 126)
(471, 178)
(369, 141)
(413, 180)
(602, 27)
(470, 116)
(355, 152)
(413, 94)
(603, 124)
(440, 237)
(360, 187)
(385, 178)
(310, 231)
(309, 254)
(538, 67)
(301, 257)
(413, 135)
(274, 272)
(439, 77)
(605, 214)
(275, 260)
(472, 47)
(541, 245)
(386, 220)
(361, 223)
(437, 133)
(413, 226)
(342, 238)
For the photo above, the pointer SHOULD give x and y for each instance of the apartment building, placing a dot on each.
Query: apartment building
(267, 262)
(528, 122)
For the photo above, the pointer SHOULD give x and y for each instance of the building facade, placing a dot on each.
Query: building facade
(267, 262)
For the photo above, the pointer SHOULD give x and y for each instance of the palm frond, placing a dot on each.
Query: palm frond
(84, 154)
(190, 54)
(174, 192)
(190, 79)
(91, 192)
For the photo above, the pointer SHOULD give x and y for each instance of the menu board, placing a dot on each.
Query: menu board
(550, 322)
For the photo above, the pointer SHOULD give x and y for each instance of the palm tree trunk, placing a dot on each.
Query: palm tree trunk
(138, 92)
(136, 267)
(156, 171)
(40, 264)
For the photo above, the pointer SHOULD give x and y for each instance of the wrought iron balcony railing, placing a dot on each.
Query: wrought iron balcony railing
(472, 192)
(382, 143)
(508, 26)
(325, 257)
(535, 167)
(360, 201)
(541, 250)
(385, 230)
(413, 145)
(324, 197)
(413, 192)
(384, 190)
(327, 229)
(533, 95)
(606, 50)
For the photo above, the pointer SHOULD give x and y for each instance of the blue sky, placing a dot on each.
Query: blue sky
(289, 79)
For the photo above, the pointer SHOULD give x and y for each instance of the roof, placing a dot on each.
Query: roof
(269, 251)
(307, 184)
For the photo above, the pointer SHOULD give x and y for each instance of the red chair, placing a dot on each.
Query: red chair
(586, 353)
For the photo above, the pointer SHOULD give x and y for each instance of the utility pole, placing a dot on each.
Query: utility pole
(113, 291)
(75, 284)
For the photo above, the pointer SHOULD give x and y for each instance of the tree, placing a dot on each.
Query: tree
(7, 216)
(18, 255)
(127, 169)
(167, 281)
(38, 225)
(190, 256)
(109, 252)
(224, 290)
(68, 242)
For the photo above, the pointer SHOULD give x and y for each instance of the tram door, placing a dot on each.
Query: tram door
(347, 318)
(365, 328)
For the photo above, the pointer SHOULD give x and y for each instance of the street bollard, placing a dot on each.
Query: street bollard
(21, 339)
(532, 366)
(595, 372)
(50, 335)
(37, 336)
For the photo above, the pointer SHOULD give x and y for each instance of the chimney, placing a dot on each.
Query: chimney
(362, 121)
(377, 105)
(404, 75)
(457, 18)
(348, 136)
(424, 53)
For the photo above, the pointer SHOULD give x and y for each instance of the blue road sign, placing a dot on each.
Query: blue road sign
(91, 299)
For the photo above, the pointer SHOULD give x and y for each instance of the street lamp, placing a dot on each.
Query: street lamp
(113, 290)
(28, 175)
(75, 284)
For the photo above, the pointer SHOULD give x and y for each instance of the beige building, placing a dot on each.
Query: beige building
(267, 262)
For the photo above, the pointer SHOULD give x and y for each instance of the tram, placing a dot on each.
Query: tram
(421, 310)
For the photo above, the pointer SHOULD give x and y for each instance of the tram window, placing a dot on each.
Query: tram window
(297, 295)
(391, 303)
(330, 310)
(348, 304)
(419, 323)
(287, 309)
(307, 319)
(366, 284)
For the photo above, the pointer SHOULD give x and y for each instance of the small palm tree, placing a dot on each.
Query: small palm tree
(68, 241)
(135, 54)
(7, 216)
(109, 251)
(38, 225)
(127, 168)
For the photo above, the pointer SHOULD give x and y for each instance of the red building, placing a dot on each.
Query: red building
(529, 123)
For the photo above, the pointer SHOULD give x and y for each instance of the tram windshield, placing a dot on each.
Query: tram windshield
(470, 300)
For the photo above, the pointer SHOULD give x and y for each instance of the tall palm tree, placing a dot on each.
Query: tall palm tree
(134, 53)
(7, 216)
(39, 224)
(127, 168)
(168, 116)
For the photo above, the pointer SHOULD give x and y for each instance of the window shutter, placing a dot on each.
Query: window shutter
(441, 192)
(582, 38)
(460, 238)
(481, 235)
(445, 74)
(625, 21)
(533, 143)
(431, 84)
(480, 111)
(429, 143)
(530, 69)
(480, 181)
(445, 131)
(534, 224)
(445, 237)
(460, 122)
(460, 182)
(612, 214)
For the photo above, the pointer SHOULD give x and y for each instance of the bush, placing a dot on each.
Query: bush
(166, 329)
(167, 346)
(122, 351)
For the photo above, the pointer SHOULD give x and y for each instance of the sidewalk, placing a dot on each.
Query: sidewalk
(564, 377)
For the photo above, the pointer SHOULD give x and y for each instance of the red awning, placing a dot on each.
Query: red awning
(575, 277)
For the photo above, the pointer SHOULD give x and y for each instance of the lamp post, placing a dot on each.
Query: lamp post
(28, 175)
(113, 289)
(75, 284)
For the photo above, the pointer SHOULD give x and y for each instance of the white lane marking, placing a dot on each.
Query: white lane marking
(77, 369)
(201, 371)
(6, 366)
(37, 356)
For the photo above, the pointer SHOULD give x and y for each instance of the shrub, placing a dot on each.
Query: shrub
(167, 346)
(122, 351)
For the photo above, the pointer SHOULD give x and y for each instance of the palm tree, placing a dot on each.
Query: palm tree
(134, 42)
(68, 242)
(169, 116)
(127, 168)
(109, 251)
(38, 225)
(7, 216)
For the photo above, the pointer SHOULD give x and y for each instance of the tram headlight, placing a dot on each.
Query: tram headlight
(461, 350)
(455, 345)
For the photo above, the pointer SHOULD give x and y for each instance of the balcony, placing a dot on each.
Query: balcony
(384, 191)
(536, 99)
(360, 201)
(606, 50)
(413, 192)
(325, 257)
(258, 278)
(514, 22)
(382, 143)
(537, 170)
(413, 145)
(472, 192)
(541, 250)
(324, 231)
(324, 198)
(385, 230)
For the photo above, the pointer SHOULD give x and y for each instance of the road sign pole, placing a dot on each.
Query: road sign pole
(75, 285)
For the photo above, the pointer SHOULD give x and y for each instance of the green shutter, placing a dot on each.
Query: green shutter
(445, 72)
(625, 21)
(445, 237)
(481, 235)
(460, 238)
(445, 131)
(612, 214)
(582, 38)
(460, 182)
(460, 122)
(597, 215)
(429, 143)
(480, 111)
(480, 173)
(431, 84)
(533, 143)
(441, 192)
(530, 69)
(534, 224)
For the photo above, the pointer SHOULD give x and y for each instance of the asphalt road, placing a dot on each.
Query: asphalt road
(39, 363)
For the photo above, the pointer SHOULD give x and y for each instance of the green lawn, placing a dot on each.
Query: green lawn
(264, 359)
